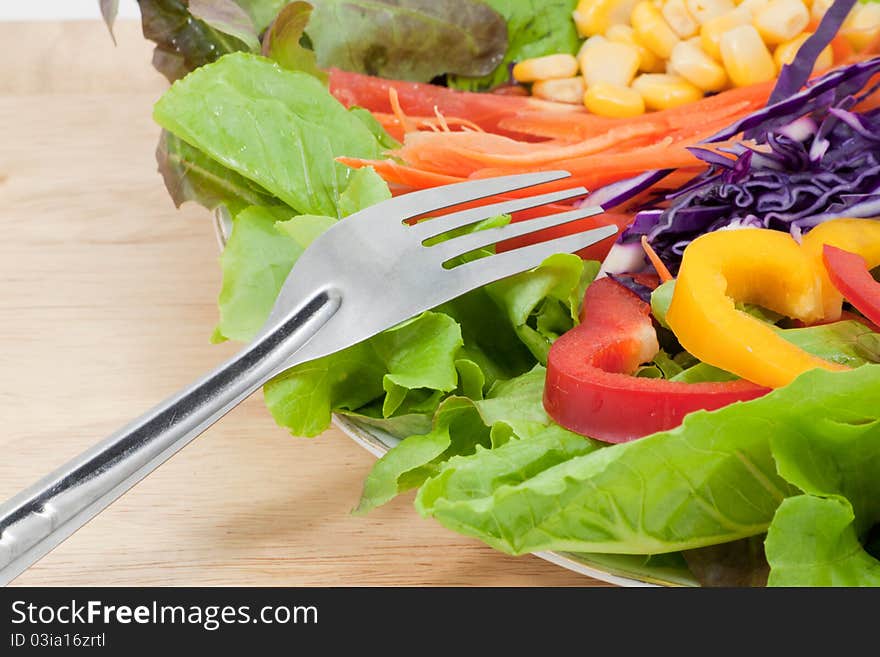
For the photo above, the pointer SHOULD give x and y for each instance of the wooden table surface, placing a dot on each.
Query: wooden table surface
(107, 300)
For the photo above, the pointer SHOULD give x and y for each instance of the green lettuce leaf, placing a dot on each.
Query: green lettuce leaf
(280, 129)
(534, 29)
(814, 539)
(418, 457)
(255, 262)
(263, 247)
(470, 351)
(386, 141)
(512, 410)
(403, 361)
(813, 542)
(262, 12)
(408, 39)
(398, 426)
(543, 304)
(190, 175)
(282, 41)
(712, 480)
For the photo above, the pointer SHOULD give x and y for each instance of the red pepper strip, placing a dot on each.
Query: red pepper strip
(849, 274)
(590, 388)
(420, 99)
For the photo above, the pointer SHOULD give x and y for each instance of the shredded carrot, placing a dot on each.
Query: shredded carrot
(441, 120)
(393, 172)
(398, 110)
(734, 102)
(442, 149)
(659, 267)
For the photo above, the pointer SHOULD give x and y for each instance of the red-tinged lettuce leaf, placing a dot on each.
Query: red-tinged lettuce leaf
(183, 42)
(191, 175)
(282, 40)
(738, 563)
(413, 40)
(226, 17)
(109, 9)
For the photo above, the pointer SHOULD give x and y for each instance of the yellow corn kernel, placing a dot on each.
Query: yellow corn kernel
(679, 18)
(611, 62)
(861, 25)
(754, 6)
(785, 52)
(614, 101)
(566, 90)
(621, 11)
(620, 32)
(781, 20)
(662, 91)
(549, 67)
(690, 62)
(648, 61)
(819, 7)
(745, 56)
(706, 10)
(652, 30)
(713, 29)
(593, 17)
(592, 42)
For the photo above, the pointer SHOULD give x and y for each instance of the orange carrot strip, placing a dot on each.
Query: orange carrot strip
(544, 153)
(392, 172)
(398, 111)
(659, 267)
(581, 126)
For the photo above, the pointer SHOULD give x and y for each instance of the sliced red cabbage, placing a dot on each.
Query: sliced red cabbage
(793, 76)
(810, 157)
(789, 184)
(830, 89)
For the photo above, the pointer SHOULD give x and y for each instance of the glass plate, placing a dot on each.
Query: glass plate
(620, 569)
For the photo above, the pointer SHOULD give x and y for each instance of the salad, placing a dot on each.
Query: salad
(705, 390)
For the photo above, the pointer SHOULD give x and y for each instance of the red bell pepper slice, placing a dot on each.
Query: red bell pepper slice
(849, 274)
(421, 99)
(590, 388)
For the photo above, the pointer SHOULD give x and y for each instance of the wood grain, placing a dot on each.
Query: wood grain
(107, 299)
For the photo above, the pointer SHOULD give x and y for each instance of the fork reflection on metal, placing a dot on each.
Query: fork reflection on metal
(327, 303)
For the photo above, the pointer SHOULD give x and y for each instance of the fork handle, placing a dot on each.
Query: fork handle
(40, 517)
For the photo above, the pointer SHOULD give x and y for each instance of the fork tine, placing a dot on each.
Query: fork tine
(415, 204)
(436, 226)
(495, 267)
(467, 243)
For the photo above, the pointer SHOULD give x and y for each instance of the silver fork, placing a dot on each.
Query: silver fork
(365, 274)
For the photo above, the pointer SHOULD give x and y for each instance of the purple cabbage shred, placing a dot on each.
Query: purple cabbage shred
(808, 157)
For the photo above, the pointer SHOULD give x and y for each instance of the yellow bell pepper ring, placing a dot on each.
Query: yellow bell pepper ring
(860, 236)
(750, 265)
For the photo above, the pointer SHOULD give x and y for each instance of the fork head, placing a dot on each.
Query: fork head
(383, 270)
